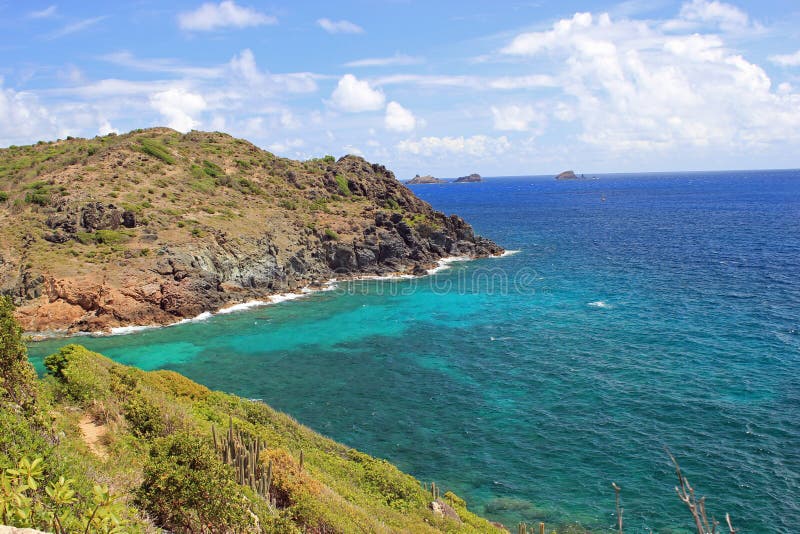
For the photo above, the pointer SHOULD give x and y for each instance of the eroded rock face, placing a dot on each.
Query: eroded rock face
(162, 272)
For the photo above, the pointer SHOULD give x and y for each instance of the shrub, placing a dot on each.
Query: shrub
(344, 187)
(103, 237)
(330, 234)
(212, 169)
(144, 417)
(84, 374)
(17, 376)
(57, 507)
(39, 193)
(329, 159)
(186, 488)
(3, 196)
(154, 148)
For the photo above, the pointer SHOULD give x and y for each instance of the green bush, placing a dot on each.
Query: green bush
(330, 234)
(154, 148)
(103, 237)
(186, 488)
(25, 501)
(39, 193)
(344, 187)
(212, 169)
(144, 417)
(17, 376)
(3, 196)
(83, 374)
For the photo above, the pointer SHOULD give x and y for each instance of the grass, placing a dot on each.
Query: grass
(156, 149)
(159, 422)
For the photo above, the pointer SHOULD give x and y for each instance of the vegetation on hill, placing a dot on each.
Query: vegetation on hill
(100, 447)
(154, 226)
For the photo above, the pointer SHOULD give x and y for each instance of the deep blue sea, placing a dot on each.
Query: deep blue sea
(642, 312)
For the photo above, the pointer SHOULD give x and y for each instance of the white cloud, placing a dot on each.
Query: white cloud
(106, 128)
(787, 60)
(43, 13)
(399, 119)
(179, 107)
(727, 16)
(286, 145)
(477, 145)
(226, 14)
(398, 60)
(244, 67)
(339, 26)
(632, 85)
(517, 118)
(354, 95)
(23, 119)
(164, 65)
(75, 27)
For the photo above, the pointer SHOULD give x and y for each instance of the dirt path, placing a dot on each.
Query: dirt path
(93, 434)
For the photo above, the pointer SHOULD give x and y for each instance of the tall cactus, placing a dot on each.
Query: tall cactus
(242, 453)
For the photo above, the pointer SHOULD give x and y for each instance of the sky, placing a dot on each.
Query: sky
(424, 87)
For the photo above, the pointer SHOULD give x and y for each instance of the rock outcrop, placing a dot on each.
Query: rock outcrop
(474, 177)
(566, 175)
(427, 179)
(123, 237)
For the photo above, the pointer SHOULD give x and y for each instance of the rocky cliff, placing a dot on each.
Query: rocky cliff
(154, 226)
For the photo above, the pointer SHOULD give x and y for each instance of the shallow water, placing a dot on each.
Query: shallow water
(665, 315)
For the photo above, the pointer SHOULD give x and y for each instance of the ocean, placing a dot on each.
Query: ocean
(642, 312)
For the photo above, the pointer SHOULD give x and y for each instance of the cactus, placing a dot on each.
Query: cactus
(242, 453)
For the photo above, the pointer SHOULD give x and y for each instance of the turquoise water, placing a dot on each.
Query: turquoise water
(666, 315)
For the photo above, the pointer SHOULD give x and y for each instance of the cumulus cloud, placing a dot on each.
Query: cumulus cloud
(226, 14)
(633, 85)
(105, 128)
(179, 107)
(243, 67)
(399, 119)
(23, 118)
(517, 118)
(339, 26)
(787, 60)
(477, 145)
(353, 95)
(727, 16)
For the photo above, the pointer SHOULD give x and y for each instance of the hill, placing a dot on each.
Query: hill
(96, 446)
(154, 226)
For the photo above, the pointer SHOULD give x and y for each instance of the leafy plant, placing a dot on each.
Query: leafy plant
(26, 502)
(187, 488)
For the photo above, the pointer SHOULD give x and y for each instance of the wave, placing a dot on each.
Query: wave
(600, 304)
(330, 285)
(445, 263)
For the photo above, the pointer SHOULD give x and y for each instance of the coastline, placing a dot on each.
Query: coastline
(442, 264)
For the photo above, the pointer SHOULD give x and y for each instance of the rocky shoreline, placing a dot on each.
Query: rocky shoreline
(82, 260)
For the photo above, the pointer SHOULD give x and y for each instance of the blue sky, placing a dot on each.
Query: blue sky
(446, 88)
